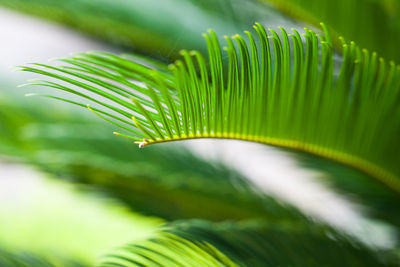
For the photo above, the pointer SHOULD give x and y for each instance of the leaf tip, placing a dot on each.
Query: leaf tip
(142, 143)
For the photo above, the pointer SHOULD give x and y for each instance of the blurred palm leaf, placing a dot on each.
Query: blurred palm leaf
(252, 243)
(158, 28)
(24, 259)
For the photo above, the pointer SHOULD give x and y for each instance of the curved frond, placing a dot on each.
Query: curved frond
(274, 89)
(201, 243)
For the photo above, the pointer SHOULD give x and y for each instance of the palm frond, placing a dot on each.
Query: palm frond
(264, 96)
(251, 243)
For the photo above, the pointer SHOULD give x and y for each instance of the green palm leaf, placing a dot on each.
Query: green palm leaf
(261, 95)
(251, 243)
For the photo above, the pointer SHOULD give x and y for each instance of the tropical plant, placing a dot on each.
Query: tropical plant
(326, 100)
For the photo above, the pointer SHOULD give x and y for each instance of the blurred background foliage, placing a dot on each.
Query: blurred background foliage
(166, 181)
(157, 28)
(246, 243)
(124, 194)
(372, 24)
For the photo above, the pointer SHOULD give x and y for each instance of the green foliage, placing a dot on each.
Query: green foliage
(157, 28)
(251, 243)
(373, 24)
(166, 181)
(279, 89)
(264, 96)
(23, 259)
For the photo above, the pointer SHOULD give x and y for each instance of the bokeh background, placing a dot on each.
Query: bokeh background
(71, 191)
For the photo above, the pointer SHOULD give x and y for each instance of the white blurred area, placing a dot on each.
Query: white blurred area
(26, 39)
(278, 174)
